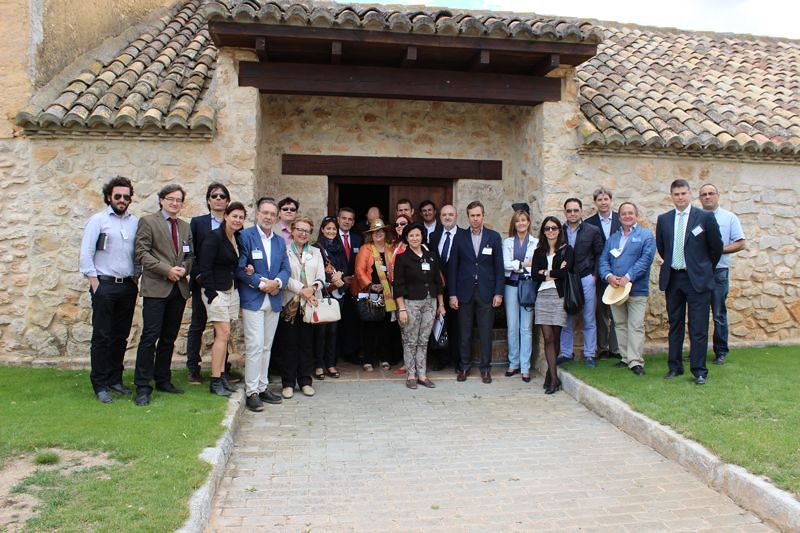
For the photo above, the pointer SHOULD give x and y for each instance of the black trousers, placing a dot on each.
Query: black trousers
(161, 320)
(112, 314)
(194, 337)
(375, 347)
(297, 345)
(349, 334)
(680, 296)
(325, 345)
(470, 312)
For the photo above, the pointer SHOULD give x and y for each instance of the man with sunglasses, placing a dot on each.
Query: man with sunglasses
(587, 242)
(165, 248)
(107, 261)
(287, 211)
(217, 200)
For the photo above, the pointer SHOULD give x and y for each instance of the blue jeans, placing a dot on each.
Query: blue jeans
(520, 331)
(720, 312)
(589, 324)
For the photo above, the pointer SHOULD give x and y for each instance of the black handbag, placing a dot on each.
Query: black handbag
(573, 294)
(371, 308)
(442, 343)
(527, 291)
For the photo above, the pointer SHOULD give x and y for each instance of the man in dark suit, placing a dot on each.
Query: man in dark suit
(427, 210)
(441, 240)
(608, 222)
(165, 249)
(688, 240)
(476, 279)
(349, 337)
(217, 199)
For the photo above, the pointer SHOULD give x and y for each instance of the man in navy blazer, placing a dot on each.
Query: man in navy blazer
(606, 220)
(217, 199)
(260, 300)
(349, 337)
(688, 240)
(476, 278)
(441, 240)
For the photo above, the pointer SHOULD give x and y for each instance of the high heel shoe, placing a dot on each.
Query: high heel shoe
(546, 383)
(554, 387)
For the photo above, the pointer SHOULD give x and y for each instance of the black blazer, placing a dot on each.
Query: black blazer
(201, 228)
(437, 229)
(701, 251)
(588, 247)
(356, 241)
(413, 283)
(436, 238)
(218, 262)
(594, 220)
(539, 262)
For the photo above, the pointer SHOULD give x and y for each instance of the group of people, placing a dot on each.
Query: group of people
(412, 271)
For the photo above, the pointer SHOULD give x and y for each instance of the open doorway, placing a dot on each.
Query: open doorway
(361, 197)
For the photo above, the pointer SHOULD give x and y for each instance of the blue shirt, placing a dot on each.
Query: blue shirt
(117, 258)
(731, 231)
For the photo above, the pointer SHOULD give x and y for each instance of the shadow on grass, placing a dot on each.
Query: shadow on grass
(747, 413)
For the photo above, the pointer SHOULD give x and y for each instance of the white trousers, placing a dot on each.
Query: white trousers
(259, 331)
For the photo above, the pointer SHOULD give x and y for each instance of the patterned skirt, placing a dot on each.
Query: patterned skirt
(550, 308)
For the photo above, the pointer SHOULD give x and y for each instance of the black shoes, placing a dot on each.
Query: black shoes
(254, 403)
(103, 396)
(672, 374)
(562, 359)
(486, 377)
(462, 375)
(142, 398)
(511, 372)
(226, 383)
(217, 387)
(270, 397)
(169, 388)
(620, 364)
(553, 387)
(719, 360)
(699, 380)
(638, 370)
(195, 377)
(119, 388)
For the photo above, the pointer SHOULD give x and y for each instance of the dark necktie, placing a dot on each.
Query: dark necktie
(446, 248)
(174, 224)
(346, 239)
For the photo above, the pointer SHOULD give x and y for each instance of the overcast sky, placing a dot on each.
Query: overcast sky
(776, 18)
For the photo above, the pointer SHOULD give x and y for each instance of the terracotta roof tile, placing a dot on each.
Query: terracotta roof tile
(142, 87)
(697, 91)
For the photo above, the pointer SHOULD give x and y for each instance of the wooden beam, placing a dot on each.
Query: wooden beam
(548, 63)
(242, 35)
(391, 167)
(407, 84)
(411, 57)
(480, 62)
(336, 52)
(261, 48)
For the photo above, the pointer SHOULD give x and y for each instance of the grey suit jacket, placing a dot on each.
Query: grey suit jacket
(156, 253)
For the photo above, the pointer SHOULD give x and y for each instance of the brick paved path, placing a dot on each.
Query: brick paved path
(374, 456)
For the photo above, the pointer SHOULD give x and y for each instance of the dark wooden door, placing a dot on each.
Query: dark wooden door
(341, 191)
(439, 194)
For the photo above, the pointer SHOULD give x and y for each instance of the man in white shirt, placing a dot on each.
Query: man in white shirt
(441, 240)
(427, 210)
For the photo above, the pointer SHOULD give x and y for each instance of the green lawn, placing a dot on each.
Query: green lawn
(748, 413)
(156, 446)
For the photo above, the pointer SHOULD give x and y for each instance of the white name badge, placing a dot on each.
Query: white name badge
(616, 252)
(186, 249)
(383, 267)
(124, 234)
(426, 266)
(487, 251)
(257, 254)
(697, 231)
(355, 250)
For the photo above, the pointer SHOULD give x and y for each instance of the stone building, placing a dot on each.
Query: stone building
(334, 104)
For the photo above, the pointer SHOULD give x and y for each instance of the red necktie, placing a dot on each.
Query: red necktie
(346, 239)
(174, 224)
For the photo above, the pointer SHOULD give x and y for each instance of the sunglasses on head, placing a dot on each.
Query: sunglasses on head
(218, 196)
(126, 197)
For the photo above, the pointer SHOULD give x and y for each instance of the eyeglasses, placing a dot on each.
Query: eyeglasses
(551, 228)
(302, 231)
(704, 194)
(174, 200)
(287, 208)
(218, 196)
(571, 211)
(126, 197)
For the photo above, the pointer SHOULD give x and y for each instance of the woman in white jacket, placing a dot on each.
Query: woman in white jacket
(304, 285)
(517, 254)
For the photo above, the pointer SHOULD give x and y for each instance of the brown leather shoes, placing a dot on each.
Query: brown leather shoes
(462, 375)
(486, 376)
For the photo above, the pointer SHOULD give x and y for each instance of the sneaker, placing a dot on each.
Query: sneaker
(719, 360)
(563, 359)
(195, 377)
(254, 403)
(308, 390)
(590, 362)
(287, 392)
(270, 397)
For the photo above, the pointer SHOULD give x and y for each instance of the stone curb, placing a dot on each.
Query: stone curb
(217, 457)
(771, 504)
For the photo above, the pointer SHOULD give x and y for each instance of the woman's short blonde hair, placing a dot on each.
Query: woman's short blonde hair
(303, 219)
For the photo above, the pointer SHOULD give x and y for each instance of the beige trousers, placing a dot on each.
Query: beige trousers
(629, 326)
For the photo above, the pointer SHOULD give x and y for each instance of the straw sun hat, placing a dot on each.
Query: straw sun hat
(617, 295)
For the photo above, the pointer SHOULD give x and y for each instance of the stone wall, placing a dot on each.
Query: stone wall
(51, 188)
(16, 80)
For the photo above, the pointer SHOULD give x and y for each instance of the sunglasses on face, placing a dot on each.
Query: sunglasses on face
(551, 228)
(126, 197)
(218, 196)
(571, 211)
(290, 209)
(401, 224)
